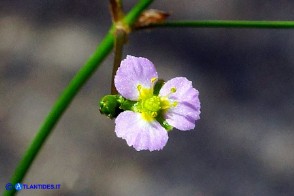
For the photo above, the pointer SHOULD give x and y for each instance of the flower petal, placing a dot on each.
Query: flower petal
(187, 110)
(139, 133)
(134, 71)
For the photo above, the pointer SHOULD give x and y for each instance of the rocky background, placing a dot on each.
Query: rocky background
(243, 144)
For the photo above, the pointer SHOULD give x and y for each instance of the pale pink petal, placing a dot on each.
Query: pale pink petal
(134, 71)
(187, 110)
(139, 133)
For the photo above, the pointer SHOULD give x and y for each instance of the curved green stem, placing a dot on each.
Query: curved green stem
(225, 24)
(67, 96)
(59, 107)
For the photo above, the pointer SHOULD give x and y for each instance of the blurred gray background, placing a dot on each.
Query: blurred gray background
(243, 144)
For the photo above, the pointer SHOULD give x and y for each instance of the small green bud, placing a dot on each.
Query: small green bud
(110, 105)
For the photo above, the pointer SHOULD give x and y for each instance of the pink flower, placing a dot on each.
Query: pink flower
(145, 126)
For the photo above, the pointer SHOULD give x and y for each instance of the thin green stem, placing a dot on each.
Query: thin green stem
(132, 16)
(59, 107)
(225, 24)
(67, 96)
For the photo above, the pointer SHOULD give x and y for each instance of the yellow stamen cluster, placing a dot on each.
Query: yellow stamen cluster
(150, 105)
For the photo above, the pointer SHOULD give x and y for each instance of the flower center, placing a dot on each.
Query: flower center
(150, 105)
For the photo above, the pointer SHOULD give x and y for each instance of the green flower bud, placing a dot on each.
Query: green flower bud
(110, 105)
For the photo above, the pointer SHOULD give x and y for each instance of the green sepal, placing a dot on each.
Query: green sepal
(163, 122)
(167, 126)
(157, 86)
(126, 104)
